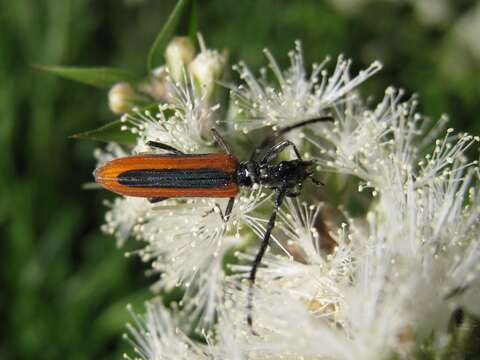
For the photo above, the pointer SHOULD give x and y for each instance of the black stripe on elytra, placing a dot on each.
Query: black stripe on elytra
(176, 178)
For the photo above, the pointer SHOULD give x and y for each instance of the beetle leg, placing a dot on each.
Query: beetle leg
(261, 251)
(216, 207)
(272, 138)
(155, 200)
(229, 208)
(163, 146)
(220, 140)
(277, 149)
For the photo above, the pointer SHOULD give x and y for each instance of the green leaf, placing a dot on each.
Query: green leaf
(112, 132)
(157, 50)
(193, 22)
(107, 133)
(102, 77)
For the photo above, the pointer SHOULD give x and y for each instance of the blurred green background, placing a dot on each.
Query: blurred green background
(64, 285)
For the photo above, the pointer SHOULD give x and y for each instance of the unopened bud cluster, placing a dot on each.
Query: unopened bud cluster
(182, 65)
(205, 68)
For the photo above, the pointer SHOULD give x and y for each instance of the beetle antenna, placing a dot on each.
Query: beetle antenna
(269, 140)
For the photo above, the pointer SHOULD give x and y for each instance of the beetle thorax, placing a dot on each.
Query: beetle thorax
(286, 174)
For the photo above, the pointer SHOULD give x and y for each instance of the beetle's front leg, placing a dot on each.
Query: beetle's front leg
(261, 252)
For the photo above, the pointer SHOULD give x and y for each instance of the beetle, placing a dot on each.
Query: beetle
(176, 174)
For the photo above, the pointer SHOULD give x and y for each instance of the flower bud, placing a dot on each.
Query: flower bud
(155, 85)
(179, 54)
(122, 97)
(207, 68)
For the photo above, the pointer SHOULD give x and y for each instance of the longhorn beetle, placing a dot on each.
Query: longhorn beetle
(176, 174)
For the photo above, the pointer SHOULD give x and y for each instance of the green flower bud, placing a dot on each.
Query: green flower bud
(179, 53)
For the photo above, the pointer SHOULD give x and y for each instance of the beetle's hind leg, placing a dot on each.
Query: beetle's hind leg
(159, 145)
(228, 210)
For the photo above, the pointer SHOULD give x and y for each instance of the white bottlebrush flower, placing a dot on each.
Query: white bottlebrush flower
(156, 336)
(396, 273)
(418, 258)
(420, 218)
(186, 243)
(299, 298)
(284, 328)
(124, 214)
(298, 96)
(333, 308)
(159, 335)
(227, 342)
(306, 272)
(112, 151)
(439, 236)
(184, 123)
(380, 145)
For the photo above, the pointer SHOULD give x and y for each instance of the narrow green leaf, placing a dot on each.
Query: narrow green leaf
(158, 48)
(107, 133)
(193, 22)
(101, 77)
(112, 132)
